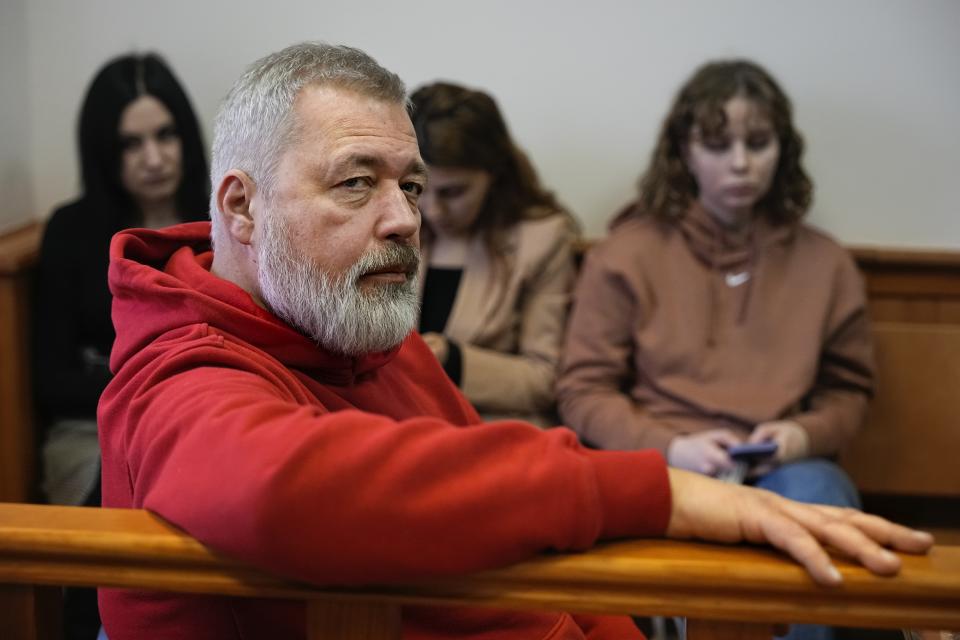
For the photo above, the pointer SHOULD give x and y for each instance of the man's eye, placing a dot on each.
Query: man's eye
(412, 187)
(354, 183)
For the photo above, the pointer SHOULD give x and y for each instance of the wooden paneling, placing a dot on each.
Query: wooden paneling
(30, 612)
(911, 286)
(18, 254)
(911, 442)
(131, 548)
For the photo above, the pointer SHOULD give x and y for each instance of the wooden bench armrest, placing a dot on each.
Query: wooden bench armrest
(131, 548)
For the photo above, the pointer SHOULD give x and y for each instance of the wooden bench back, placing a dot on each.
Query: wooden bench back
(18, 256)
(911, 442)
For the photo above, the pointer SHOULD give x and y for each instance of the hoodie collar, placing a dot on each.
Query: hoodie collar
(732, 254)
(161, 282)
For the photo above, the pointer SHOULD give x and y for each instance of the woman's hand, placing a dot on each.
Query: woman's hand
(708, 509)
(438, 344)
(792, 440)
(704, 452)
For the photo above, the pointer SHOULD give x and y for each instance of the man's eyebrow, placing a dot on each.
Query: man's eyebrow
(366, 161)
(360, 160)
(418, 168)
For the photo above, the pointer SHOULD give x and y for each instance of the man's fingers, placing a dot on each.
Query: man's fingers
(886, 533)
(852, 542)
(788, 535)
(860, 536)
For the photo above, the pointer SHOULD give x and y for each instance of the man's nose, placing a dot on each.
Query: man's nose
(399, 219)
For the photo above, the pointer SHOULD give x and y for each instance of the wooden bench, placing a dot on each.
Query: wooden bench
(18, 256)
(726, 592)
(904, 460)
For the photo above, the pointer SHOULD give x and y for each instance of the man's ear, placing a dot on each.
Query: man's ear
(234, 198)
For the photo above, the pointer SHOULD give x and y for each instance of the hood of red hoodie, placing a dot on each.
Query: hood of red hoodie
(161, 282)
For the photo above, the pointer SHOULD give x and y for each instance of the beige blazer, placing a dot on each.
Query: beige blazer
(510, 329)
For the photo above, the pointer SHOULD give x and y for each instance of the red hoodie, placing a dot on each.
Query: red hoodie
(233, 426)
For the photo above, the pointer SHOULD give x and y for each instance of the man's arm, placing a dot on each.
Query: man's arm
(246, 466)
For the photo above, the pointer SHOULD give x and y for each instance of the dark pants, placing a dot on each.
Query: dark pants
(81, 616)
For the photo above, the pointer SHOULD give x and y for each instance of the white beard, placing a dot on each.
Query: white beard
(333, 310)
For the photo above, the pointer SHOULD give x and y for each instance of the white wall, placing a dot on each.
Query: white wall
(14, 116)
(876, 83)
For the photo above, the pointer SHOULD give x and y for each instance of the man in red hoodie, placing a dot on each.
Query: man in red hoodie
(271, 399)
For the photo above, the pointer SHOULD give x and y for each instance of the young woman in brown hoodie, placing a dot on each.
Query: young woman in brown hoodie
(712, 316)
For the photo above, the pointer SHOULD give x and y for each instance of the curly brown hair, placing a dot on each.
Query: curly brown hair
(461, 127)
(667, 188)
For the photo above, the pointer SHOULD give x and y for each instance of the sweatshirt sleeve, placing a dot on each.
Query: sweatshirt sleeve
(837, 404)
(598, 363)
(523, 382)
(236, 459)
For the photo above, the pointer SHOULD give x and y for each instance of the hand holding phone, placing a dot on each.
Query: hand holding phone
(752, 452)
(745, 456)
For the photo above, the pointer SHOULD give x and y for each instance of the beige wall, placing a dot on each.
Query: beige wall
(583, 84)
(15, 192)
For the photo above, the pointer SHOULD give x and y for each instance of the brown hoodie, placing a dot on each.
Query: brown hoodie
(687, 327)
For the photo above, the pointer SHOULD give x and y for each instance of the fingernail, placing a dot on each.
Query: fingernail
(888, 556)
(835, 575)
(923, 535)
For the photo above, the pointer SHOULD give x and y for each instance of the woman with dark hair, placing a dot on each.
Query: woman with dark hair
(142, 164)
(712, 316)
(498, 257)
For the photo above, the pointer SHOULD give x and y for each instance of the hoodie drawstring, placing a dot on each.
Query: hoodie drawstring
(750, 270)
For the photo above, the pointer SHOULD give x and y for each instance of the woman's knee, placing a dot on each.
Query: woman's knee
(814, 480)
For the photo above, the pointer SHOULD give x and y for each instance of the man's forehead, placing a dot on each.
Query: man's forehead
(337, 113)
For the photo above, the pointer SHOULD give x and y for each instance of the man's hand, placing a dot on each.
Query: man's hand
(704, 452)
(438, 344)
(707, 509)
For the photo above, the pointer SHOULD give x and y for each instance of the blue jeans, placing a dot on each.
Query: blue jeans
(818, 481)
(813, 480)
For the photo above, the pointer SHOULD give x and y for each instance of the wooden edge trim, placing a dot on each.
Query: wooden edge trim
(134, 549)
(20, 248)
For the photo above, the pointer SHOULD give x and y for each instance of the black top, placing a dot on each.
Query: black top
(73, 330)
(439, 291)
(435, 310)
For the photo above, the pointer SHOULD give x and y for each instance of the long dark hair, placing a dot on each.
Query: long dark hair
(116, 85)
(667, 188)
(460, 127)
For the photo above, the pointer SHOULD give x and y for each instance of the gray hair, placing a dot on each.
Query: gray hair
(256, 123)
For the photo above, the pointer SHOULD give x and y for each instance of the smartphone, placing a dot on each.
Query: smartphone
(754, 452)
